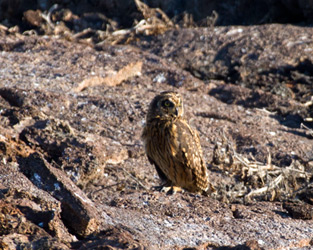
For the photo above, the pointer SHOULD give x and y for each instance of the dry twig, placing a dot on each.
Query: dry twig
(310, 131)
(154, 22)
(47, 17)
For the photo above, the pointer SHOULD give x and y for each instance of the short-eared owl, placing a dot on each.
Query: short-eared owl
(172, 146)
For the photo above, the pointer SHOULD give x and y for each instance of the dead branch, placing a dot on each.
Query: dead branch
(310, 131)
(47, 17)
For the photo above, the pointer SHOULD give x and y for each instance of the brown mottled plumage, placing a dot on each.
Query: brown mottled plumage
(172, 146)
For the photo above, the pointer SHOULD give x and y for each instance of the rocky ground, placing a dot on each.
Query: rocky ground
(73, 172)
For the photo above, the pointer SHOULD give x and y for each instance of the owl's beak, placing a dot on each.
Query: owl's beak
(176, 111)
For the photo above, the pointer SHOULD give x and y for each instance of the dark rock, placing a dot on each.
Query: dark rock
(299, 210)
(78, 212)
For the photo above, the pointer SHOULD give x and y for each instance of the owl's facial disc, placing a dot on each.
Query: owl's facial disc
(170, 107)
(166, 106)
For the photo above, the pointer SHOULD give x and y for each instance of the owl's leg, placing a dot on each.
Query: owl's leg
(172, 189)
(168, 188)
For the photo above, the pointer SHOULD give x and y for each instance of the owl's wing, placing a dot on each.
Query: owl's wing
(190, 155)
(189, 145)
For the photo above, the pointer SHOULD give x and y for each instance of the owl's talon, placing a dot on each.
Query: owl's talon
(172, 190)
(166, 189)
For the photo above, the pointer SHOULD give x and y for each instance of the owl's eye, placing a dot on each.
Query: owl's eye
(168, 103)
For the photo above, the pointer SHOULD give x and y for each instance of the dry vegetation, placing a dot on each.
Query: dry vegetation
(258, 180)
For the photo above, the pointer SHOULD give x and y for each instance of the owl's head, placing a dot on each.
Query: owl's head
(166, 106)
